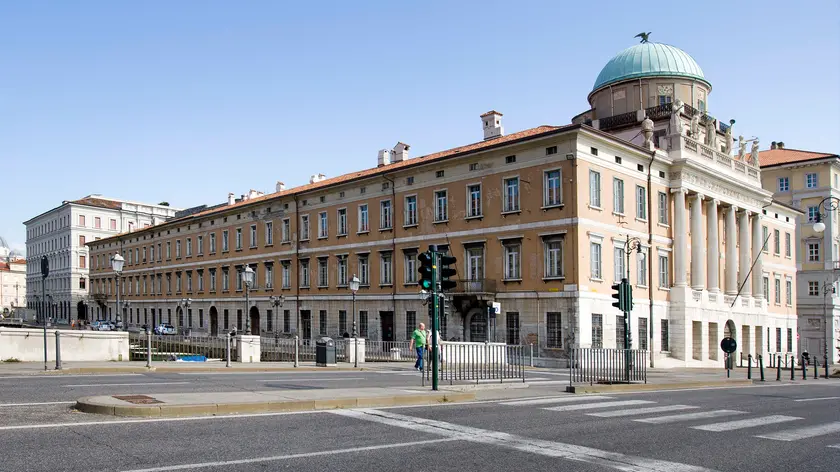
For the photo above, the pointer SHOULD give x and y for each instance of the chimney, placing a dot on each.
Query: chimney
(780, 145)
(279, 186)
(492, 124)
(384, 158)
(401, 152)
(773, 145)
(231, 199)
(315, 178)
(321, 177)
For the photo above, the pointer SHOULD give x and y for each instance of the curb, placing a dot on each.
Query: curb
(168, 369)
(654, 387)
(90, 405)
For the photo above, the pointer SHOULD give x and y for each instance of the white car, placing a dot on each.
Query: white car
(164, 329)
(103, 325)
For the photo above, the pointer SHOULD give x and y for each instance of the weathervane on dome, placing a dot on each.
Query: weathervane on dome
(644, 36)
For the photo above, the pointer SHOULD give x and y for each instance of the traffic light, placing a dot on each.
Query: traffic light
(628, 295)
(426, 270)
(618, 296)
(446, 272)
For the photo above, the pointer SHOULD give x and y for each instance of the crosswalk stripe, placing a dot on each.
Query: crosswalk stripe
(592, 406)
(689, 416)
(803, 433)
(834, 446)
(566, 399)
(641, 411)
(750, 423)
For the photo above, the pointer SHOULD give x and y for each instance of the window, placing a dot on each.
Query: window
(664, 279)
(784, 184)
(553, 330)
(597, 331)
(550, 150)
(113, 224)
(304, 227)
(364, 270)
(342, 321)
(788, 291)
(790, 340)
(810, 180)
(287, 321)
(594, 189)
(593, 151)
(323, 272)
(441, 207)
(269, 320)
(813, 212)
(664, 100)
(553, 188)
(619, 331)
(475, 263)
(766, 287)
(269, 233)
(553, 257)
(663, 208)
(189, 282)
(778, 339)
(363, 324)
(513, 257)
(322, 322)
(511, 197)
(97, 222)
(641, 202)
(385, 268)
(787, 244)
(199, 243)
(777, 242)
(269, 276)
(641, 268)
(189, 248)
(813, 288)
(512, 325)
(474, 166)
(411, 267)
(212, 243)
(225, 280)
(618, 263)
(510, 159)
(363, 219)
(814, 252)
(778, 294)
(342, 270)
(82, 262)
(411, 210)
(82, 283)
(595, 260)
(409, 180)
(286, 230)
(385, 220)
(765, 238)
(304, 273)
(177, 251)
(286, 274)
(177, 283)
(342, 222)
(663, 334)
(81, 241)
(212, 280)
(474, 201)
(618, 196)
(439, 174)
(253, 236)
(643, 333)
(323, 229)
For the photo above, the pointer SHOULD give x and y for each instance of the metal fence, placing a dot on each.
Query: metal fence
(607, 365)
(173, 347)
(477, 361)
(389, 351)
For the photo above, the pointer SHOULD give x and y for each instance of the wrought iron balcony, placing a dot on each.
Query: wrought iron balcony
(475, 286)
(659, 112)
(617, 121)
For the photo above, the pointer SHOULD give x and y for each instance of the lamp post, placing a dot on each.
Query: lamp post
(124, 309)
(354, 287)
(185, 304)
(631, 244)
(247, 280)
(117, 262)
(276, 302)
(828, 205)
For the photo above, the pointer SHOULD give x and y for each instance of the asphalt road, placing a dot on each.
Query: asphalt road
(764, 428)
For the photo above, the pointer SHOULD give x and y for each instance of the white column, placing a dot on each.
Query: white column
(680, 238)
(713, 253)
(698, 244)
(744, 258)
(757, 245)
(731, 269)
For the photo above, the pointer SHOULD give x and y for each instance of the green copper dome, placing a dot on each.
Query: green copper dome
(649, 60)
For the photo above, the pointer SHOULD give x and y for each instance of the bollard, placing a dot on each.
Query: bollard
(792, 367)
(227, 360)
(749, 366)
(58, 350)
(148, 348)
(532, 355)
(815, 367)
(761, 366)
(825, 364)
(297, 350)
(804, 370)
(778, 371)
(355, 351)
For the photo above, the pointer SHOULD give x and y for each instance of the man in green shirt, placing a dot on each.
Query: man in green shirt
(418, 342)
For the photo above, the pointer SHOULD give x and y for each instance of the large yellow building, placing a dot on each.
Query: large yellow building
(539, 221)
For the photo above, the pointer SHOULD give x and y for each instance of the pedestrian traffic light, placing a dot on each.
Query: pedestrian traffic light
(446, 272)
(426, 270)
(628, 295)
(619, 296)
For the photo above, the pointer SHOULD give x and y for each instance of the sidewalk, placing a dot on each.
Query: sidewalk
(37, 368)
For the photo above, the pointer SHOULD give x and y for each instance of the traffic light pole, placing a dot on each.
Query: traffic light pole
(435, 315)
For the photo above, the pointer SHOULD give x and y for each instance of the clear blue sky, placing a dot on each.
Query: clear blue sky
(185, 101)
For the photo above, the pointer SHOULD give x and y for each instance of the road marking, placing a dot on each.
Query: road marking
(515, 379)
(803, 433)
(306, 379)
(35, 404)
(834, 446)
(689, 416)
(562, 374)
(62, 376)
(150, 420)
(592, 406)
(642, 411)
(547, 401)
(750, 423)
(547, 382)
(816, 399)
(571, 452)
(126, 384)
(292, 456)
(289, 372)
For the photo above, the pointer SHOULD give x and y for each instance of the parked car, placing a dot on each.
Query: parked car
(103, 325)
(162, 329)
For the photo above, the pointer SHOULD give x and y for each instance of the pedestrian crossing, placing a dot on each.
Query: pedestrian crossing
(652, 413)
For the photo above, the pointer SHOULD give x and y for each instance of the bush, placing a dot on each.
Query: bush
(12, 359)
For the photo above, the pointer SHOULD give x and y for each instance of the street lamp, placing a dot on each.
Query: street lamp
(276, 302)
(185, 304)
(248, 280)
(829, 204)
(117, 262)
(124, 309)
(354, 287)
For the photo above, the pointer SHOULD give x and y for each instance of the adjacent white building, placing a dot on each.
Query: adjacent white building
(61, 234)
(12, 280)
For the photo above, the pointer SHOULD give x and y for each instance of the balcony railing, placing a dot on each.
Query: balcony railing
(719, 159)
(475, 286)
(617, 121)
(689, 110)
(658, 112)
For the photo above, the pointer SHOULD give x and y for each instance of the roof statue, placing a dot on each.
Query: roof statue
(644, 36)
(711, 134)
(754, 153)
(728, 148)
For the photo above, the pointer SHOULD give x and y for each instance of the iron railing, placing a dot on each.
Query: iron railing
(174, 347)
(477, 361)
(689, 110)
(475, 286)
(607, 365)
(389, 351)
(659, 112)
(617, 121)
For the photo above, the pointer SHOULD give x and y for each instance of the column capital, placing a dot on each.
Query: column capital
(745, 212)
(713, 201)
(758, 216)
(682, 190)
(734, 209)
(700, 196)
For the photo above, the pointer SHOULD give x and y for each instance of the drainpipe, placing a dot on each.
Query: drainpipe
(393, 256)
(297, 266)
(650, 256)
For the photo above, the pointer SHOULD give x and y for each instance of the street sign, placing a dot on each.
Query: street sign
(496, 309)
(45, 267)
(728, 345)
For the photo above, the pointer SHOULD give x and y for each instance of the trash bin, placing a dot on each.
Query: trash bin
(325, 352)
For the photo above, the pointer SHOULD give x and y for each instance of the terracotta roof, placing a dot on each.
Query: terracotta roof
(776, 157)
(491, 112)
(98, 202)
